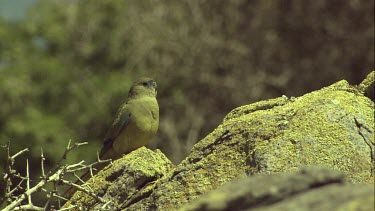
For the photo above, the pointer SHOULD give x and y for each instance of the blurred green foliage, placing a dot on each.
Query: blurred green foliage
(66, 68)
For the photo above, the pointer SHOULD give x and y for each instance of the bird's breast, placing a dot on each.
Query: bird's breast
(146, 115)
(142, 127)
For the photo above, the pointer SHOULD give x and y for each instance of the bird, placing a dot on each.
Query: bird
(135, 124)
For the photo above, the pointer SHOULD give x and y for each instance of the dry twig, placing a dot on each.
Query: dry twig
(54, 176)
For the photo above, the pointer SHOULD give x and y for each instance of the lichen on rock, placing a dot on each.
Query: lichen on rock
(126, 181)
(331, 127)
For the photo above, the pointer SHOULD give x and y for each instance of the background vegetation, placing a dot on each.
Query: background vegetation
(67, 66)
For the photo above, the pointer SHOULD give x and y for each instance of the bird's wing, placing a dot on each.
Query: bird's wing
(122, 119)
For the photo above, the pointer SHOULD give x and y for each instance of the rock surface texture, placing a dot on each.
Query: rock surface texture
(332, 127)
(309, 189)
(126, 181)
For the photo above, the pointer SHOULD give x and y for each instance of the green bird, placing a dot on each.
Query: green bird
(136, 121)
(135, 124)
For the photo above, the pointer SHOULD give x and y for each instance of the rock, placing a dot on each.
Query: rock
(126, 181)
(331, 127)
(307, 189)
(343, 197)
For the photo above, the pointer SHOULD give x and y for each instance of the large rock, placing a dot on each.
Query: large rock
(308, 189)
(126, 181)
(331, 127)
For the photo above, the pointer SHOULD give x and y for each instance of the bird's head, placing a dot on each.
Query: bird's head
(143, 86)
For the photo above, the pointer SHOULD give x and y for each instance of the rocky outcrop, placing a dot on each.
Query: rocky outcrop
(124, 182)
(309, 189)
(331, 127)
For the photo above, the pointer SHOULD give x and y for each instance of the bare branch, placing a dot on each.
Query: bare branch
(28, 207)
(67, 150)
(88, 192)
(18, 187)
(42, 159)
(55, 175)
(19, 153)
(68, 208)
(28, 192)
(28, 181)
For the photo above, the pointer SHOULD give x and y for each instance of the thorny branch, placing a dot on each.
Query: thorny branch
(55, 176)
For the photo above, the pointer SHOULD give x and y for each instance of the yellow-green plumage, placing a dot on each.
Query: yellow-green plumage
(136, 121)
(134, 125)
